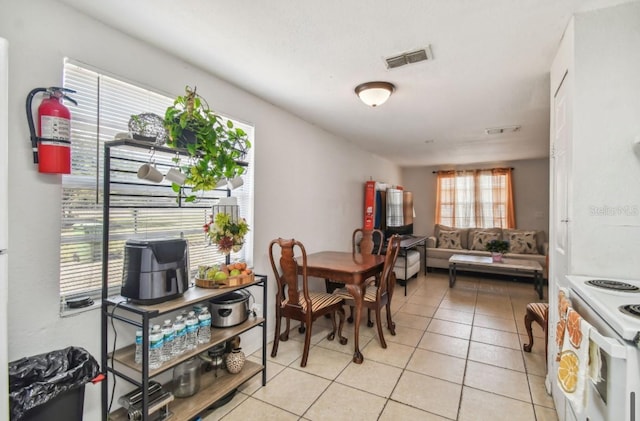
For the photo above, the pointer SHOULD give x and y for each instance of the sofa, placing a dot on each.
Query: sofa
(523, 244)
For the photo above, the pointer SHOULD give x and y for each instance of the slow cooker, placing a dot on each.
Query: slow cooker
(230, 309)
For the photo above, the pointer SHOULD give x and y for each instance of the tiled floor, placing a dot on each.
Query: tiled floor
(457, 355)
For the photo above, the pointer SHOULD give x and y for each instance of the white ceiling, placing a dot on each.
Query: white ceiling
(490, 68)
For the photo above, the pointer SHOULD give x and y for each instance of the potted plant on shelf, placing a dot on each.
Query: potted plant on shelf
(215, 146)
(497, 248)
(226, 233)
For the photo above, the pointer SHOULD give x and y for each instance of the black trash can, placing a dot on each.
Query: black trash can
(50, 386)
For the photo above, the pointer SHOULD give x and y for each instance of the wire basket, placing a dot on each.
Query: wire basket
(148, 127)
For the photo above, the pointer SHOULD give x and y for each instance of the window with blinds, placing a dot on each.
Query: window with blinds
(105, 106)
(475, 198)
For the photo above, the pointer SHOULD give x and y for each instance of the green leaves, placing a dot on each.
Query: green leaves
(498, 246)
(218, 143)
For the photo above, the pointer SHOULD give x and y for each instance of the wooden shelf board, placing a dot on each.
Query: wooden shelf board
(211, 389)
(193, 295)
(125, 356)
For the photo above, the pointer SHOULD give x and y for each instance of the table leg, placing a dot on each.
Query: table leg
(538, 283)
(357, 293)
(424, 247)
(452, 274)
(406, 281)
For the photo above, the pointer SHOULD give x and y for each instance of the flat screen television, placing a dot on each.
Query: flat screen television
(401, 230)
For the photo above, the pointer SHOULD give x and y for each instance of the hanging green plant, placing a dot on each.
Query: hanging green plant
(215, 146)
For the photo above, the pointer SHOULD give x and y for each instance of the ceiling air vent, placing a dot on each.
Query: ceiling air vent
(409, 58)
(500, 130)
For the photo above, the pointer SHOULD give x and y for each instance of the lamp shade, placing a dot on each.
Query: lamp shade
(374, 93)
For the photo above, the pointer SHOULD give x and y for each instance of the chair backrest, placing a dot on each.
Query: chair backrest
(288, 292)
(367, 241)
(393, 247)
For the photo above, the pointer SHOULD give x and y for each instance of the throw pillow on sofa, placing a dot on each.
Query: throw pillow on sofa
(449, 240)
(481, 238)
(464, 234)
(523, 242)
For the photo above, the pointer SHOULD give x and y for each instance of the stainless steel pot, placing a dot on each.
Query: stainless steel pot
(214, 357)
(230, 309)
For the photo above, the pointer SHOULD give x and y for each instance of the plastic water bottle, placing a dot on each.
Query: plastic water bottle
(169, 341)
(192, 330)
(156, 340)
(138, 355)
(204, 326)
(181, 335)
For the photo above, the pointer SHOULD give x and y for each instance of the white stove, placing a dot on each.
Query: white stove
(606, 297)
(617, 333)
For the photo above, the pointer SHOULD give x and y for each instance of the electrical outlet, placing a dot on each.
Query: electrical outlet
(255, 309)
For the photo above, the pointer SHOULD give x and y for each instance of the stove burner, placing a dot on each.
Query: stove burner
(614, 285)
(631, 309)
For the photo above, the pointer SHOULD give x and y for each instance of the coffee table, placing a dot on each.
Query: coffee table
(469, 262)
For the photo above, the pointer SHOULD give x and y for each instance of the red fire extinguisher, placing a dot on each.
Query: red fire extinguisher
(51, 145)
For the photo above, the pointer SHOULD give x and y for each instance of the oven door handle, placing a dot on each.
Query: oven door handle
(608, 345)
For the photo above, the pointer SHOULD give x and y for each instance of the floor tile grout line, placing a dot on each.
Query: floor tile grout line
(404, 369)
(466, 364)
(261, 401)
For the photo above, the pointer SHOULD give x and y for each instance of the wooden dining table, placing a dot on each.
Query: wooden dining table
(351, 269)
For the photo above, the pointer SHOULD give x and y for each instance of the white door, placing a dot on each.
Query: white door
(4, 174)
(560, 164)
(559, 218)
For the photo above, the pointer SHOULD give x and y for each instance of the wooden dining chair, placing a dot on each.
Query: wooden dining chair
(300, 304)
(378, 296)
(366, 242)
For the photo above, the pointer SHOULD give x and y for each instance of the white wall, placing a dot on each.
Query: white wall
(308, 183)
(606, 121)
(530, 184)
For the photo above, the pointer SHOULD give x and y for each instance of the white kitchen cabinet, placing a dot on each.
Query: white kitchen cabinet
(595, 198)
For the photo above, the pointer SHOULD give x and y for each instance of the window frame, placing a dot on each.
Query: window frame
(478, 198)
(87, 186)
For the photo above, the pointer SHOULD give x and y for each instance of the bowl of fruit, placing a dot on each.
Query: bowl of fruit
(224, 276)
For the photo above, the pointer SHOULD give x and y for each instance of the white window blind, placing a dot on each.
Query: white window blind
(105, 105)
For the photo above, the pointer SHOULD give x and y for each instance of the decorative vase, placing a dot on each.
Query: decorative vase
(235, 361)
(232, 344)
(497, 257)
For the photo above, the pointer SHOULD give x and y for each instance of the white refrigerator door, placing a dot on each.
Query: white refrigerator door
(4, 142)
(4, 238)
(4, 386)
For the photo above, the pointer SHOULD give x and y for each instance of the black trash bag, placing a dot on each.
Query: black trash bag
(36, 380)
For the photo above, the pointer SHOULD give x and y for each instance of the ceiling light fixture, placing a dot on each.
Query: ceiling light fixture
(374, 93)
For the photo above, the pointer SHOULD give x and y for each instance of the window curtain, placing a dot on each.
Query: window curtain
(475, 198)
(499, 204)
(454, 192)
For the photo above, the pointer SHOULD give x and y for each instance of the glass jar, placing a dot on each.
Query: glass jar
(186, 378)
